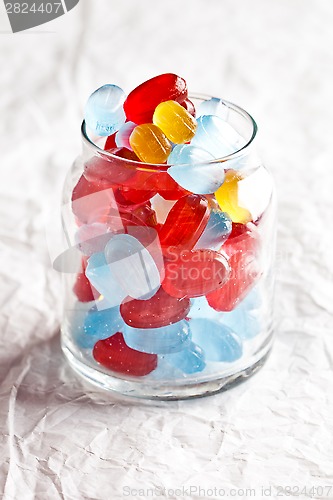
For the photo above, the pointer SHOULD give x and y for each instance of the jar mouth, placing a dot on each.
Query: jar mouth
(158, 167)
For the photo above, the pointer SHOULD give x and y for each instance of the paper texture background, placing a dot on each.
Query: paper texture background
(63, 440)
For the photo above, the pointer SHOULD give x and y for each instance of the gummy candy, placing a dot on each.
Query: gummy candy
(218, 229)
(170, 338)
(194, 273)
(242, 249)
(189, 360)
(115, 355)
(218, 342)
(191, 169)
(160, 310)
(150, 144)
(185, 223)
(216, 136)
(227, 197)
(99, 274)
(104, 112)
(123, 135)
(107, 171)
(132, 266)
(142, 101)
(178, 125)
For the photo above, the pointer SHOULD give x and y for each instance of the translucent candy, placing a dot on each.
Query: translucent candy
(142, 101)
(191, 172)
(92, 238)
(83, 289)
(218, 342)
(216, 136)
(160, 310)
(217, 230)
(165, 340)
(123, 135)
(193, 273)
(104, 112)
(227, 197)
(242, 249)
(178, 125)
(213, 106)
(244, 320)
(109, 172)
(185, 223)
(189, 106)
(190, 360)
(150, 144)
(132, 266)
(115, 355)
(99, 325)
(100, 276)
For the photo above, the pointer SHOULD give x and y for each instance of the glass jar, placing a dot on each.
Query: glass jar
(168, 294)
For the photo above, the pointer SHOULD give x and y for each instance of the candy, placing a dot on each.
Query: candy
(142, 101)
(218, 229)
(115, 355)
(91, 201)
(104, 112)
(167, 187)
(160, 310)
(92, 238)
(227, 197)
(218, 342)
(132, 266)
(189, 106)
(99, 274)
(123, 135)
(178, 125)
(150, 144)
(83, 289)
(215, 107)
(189, 360)
(99, 325)
(142, 215)
(185, 223)
(242, 249)
(110, 142)
(109, 170)
(216, 136)
(244, 320)
(194, 273)
(192, 170)
(165, 340)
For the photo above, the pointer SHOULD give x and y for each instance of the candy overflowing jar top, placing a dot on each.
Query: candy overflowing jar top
(157, 126)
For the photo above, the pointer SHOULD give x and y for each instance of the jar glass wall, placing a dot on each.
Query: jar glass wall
(168, 293)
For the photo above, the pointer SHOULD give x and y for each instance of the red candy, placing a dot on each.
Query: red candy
(160, 310)
(83, 289)
(189, 106)
(115, 355)
(110, 171)
(87, 205)
(110, 142)
(142, 101)
(194, 273)
(185, 223)
(168, 188)
(241, 247)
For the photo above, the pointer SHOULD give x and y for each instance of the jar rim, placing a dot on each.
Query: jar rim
(157, 167)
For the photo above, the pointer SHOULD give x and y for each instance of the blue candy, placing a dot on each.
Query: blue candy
(132, 266)
(213, 106)
(100, 276)
(216, 136)
(244, 320)
(104, 112)
(123, 135)
(189, 360)
(218, 342)
(192, 170)
(164, 340)
(217, 230)
(99, 325)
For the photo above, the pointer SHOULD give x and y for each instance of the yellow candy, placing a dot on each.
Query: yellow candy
(227, 198)
(150, 144)
(177, 123)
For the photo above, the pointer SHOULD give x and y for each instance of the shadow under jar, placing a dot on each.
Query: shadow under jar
(168, 294)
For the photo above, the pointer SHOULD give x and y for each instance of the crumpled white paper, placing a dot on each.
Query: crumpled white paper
(62, 439)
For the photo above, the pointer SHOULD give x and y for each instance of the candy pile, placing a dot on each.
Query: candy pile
(169, 250)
